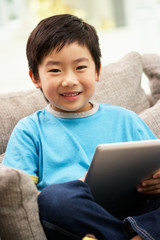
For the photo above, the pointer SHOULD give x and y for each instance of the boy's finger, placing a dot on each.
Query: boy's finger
(150, 182)
(149, 189)
(156, 174)
(157, 192)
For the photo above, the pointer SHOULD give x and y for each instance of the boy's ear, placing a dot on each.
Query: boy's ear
(35, 81)
(98, 73)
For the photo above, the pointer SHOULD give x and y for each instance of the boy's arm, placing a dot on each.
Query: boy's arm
(21, 152)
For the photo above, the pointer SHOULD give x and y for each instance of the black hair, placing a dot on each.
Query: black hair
(56, 31)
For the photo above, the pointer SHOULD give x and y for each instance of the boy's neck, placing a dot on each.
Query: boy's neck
(93, 109)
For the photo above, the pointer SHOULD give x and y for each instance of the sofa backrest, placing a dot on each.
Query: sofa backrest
(120, 84)
(13, 107)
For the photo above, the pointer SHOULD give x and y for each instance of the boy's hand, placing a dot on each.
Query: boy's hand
(151, 185)
(83, 179)
(137, 237)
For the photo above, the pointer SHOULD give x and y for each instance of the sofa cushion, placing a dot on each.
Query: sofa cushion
(19, 218)
(15, 106)
(151, 67)
(151, 117)
(120, 84)
(1, 157)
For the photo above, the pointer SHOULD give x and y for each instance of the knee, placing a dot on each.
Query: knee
(60, 199)
(51, 199)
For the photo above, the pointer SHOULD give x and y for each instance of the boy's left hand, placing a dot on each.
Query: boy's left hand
(151, 185)
(83, 179)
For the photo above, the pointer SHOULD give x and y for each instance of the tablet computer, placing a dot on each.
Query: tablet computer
(117, 169)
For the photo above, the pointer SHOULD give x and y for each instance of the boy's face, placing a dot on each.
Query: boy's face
(68, 78)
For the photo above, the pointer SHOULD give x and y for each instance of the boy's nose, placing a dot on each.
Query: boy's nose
(69, 80)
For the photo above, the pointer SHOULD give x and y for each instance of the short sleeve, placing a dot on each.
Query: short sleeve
(23, 149)
(142, 131)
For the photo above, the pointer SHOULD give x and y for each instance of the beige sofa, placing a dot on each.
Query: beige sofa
(120, 85)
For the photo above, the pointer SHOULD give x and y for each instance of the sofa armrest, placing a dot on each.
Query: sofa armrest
(151, 117)
(19, 208)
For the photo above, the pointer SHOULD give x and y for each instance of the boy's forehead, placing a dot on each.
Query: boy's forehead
(59, 50)
(62, 45)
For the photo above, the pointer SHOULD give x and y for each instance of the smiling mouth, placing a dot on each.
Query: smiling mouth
(73, 94)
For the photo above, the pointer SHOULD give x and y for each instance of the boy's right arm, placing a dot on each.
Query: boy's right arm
(21, 152)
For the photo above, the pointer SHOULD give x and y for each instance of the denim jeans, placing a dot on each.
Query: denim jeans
(68, 211)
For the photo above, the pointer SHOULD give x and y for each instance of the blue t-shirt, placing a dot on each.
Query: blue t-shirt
(55, 147)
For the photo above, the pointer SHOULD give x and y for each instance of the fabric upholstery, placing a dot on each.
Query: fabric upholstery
(120, 84)
(151, 67)
(1, 157)
(15, 106)
(19, 218)
(151, 117)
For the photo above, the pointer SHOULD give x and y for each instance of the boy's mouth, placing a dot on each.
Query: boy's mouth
(70, 94)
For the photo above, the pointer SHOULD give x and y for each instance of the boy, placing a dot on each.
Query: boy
(55, 145)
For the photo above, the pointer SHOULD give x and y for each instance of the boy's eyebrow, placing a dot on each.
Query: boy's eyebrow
(81, 60)
(52, 62)
(49, 63)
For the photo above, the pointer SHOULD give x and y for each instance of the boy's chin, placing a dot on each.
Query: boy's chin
(69, 109)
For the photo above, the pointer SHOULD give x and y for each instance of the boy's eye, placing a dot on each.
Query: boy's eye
(54, 70)
(81, 67)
